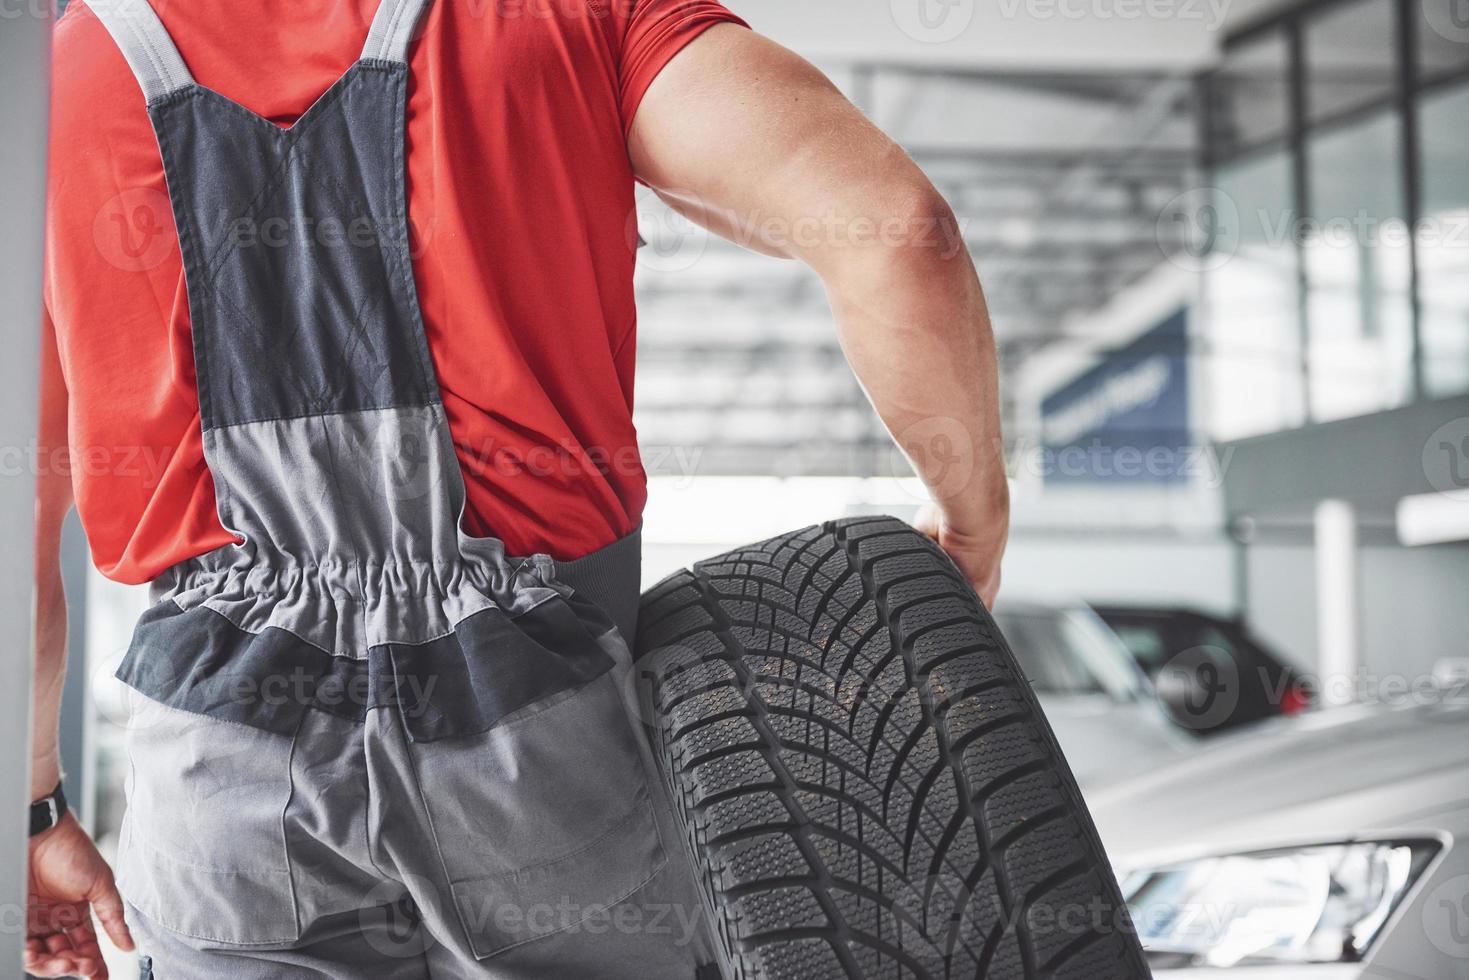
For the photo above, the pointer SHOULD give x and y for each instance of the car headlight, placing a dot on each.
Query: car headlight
(1317, 904)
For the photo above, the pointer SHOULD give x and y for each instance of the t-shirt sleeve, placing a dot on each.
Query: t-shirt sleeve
(653, 33)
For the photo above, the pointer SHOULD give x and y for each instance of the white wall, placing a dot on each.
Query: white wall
(1413, 613)
(1119, 568)
(1025, 35)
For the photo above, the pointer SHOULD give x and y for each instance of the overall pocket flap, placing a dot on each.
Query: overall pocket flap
(203, 851)
(507, 910)
(236, 908)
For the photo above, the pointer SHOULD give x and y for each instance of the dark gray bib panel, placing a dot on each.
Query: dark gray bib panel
(296, 251)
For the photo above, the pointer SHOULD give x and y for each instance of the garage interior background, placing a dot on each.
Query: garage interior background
(1226, 247)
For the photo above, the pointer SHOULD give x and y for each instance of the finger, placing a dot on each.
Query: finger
(50, 966)
(34, 958)
(107, 906)
(88, 953)
(58, 943)
(82, 934)
(86, 966)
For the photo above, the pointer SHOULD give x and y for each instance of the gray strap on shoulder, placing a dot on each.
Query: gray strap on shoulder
(392, 29)
(145, 44)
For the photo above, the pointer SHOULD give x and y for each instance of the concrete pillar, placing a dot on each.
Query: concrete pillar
(25, 54)
(1338, 601)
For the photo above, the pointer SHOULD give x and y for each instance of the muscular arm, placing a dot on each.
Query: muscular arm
(68, 880)
(53, 501)
(748, 139)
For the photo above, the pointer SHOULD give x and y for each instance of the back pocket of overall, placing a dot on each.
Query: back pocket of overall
(203, 850)
(545, 820)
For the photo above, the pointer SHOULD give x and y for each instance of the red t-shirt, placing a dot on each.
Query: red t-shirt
(524, 235)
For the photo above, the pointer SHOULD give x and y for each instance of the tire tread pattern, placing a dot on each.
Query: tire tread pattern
(864, 776)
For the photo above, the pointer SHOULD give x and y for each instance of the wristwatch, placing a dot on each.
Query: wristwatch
(48, 811)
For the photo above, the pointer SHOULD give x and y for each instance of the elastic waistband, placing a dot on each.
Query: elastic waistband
(608, 577)
(611, 577)
(347, 609)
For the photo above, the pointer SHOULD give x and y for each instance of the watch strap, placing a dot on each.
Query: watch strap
(48, 811)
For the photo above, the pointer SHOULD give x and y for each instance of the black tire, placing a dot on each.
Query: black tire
(865, 779)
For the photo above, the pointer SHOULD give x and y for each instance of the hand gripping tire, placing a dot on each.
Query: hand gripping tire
(864, 777)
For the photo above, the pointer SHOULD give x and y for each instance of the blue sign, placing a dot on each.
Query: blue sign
(1125, 421)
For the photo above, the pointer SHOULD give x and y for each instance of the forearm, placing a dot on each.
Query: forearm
(49, 679)
(912, 318)
(53, 503)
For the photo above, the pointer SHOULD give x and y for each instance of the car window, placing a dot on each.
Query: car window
(1208, 635)
(1145, 641)
(1070, 652)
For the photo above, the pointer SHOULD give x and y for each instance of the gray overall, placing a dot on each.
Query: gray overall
(365, 744)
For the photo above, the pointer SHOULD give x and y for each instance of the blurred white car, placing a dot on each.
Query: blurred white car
(1333, 846)
(1098, 701)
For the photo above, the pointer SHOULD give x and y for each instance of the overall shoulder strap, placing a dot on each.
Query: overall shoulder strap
(145, 44)
(392, 29)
